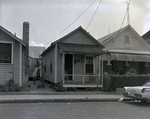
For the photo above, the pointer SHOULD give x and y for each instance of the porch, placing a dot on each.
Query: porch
(79, 70)
(83, 81)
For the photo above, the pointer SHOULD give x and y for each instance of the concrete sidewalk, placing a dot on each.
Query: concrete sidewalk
(58, 98)
(47, 94)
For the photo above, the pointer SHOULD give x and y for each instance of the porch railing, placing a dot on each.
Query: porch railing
(82, 79)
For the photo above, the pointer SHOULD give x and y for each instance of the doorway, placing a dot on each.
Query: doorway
(69, 65)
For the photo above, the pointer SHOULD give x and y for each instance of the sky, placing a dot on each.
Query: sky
(48, 18)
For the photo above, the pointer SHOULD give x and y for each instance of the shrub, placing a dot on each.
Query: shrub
(10, 86)
(17, 88)
(106, 82)
(119, 81)
(2, 88)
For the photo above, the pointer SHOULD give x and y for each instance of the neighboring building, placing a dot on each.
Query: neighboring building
(74, 60)
(34, 59)
(126, 50)
(14, 56)
(146, 36)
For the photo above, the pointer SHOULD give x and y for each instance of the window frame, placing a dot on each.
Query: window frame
(85, 64)
(12, 47)
(127, 39)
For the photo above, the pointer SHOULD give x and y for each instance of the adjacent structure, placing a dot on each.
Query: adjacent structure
(146, 36)
(74, 60)
(14, 56)
(34, 59)
(125, 50)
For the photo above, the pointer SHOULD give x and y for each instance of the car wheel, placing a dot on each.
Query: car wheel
(143, 101)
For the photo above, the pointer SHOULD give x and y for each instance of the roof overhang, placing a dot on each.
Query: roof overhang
(127, 57)
(80, 49)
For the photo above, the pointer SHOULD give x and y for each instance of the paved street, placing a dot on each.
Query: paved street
(76, 110)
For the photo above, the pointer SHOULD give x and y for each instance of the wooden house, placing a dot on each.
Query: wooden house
(125, 50)
(146, 36)
(74, 60)
(14, 56)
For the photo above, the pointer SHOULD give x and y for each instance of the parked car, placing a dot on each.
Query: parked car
(141, 93)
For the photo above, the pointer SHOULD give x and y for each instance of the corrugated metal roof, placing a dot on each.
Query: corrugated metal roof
(129, 51)
(80, 49)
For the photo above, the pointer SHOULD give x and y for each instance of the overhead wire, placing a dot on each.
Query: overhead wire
(122, 21)
(71, 23)
(94, 14)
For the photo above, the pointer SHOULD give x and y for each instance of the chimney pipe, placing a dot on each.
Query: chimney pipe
(26, 32)
(26, 51)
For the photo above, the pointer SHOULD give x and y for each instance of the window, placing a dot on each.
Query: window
(126, 39)
(89, 64)
(5, 52)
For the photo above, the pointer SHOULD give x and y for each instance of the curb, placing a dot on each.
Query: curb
(54, 93)
(58, 100)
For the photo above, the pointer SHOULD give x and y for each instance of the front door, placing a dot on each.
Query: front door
(69, 65)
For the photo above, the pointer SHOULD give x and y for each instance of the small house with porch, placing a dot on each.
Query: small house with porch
(14, 56)
(125, 50)
(74, 60)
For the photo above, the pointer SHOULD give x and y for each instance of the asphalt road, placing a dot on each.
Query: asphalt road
(76, 110)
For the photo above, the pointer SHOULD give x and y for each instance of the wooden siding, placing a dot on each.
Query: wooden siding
(6, 70)
(78, 65)
(79, 37)
(59, 65)
(119, 41)
(49, 57)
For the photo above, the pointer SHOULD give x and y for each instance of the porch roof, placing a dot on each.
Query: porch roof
(128, 57)
(80, 49)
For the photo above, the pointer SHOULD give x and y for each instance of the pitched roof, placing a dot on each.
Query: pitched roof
(11, 35)
(79, 28)
(146, 35)
(109, 37)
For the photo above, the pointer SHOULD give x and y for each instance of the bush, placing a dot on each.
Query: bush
(59, 88)
(10, 86)
(119, 81)
(2, 88)
(106, 82)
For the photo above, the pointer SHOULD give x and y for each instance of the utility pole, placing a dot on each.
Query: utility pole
(128, 16)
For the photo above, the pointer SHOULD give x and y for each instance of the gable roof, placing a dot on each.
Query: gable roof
(114, 35)
(11, 35)
(146, 35)
(111, 36)
(79, 28)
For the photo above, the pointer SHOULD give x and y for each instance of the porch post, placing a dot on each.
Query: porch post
(63, 65)
(102, 69)
(99, 58)
(20, 66)
(73, 67)
(56, 63)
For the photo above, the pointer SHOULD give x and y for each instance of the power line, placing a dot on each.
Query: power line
(123, 20)
(94, 14)
(72, 22)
